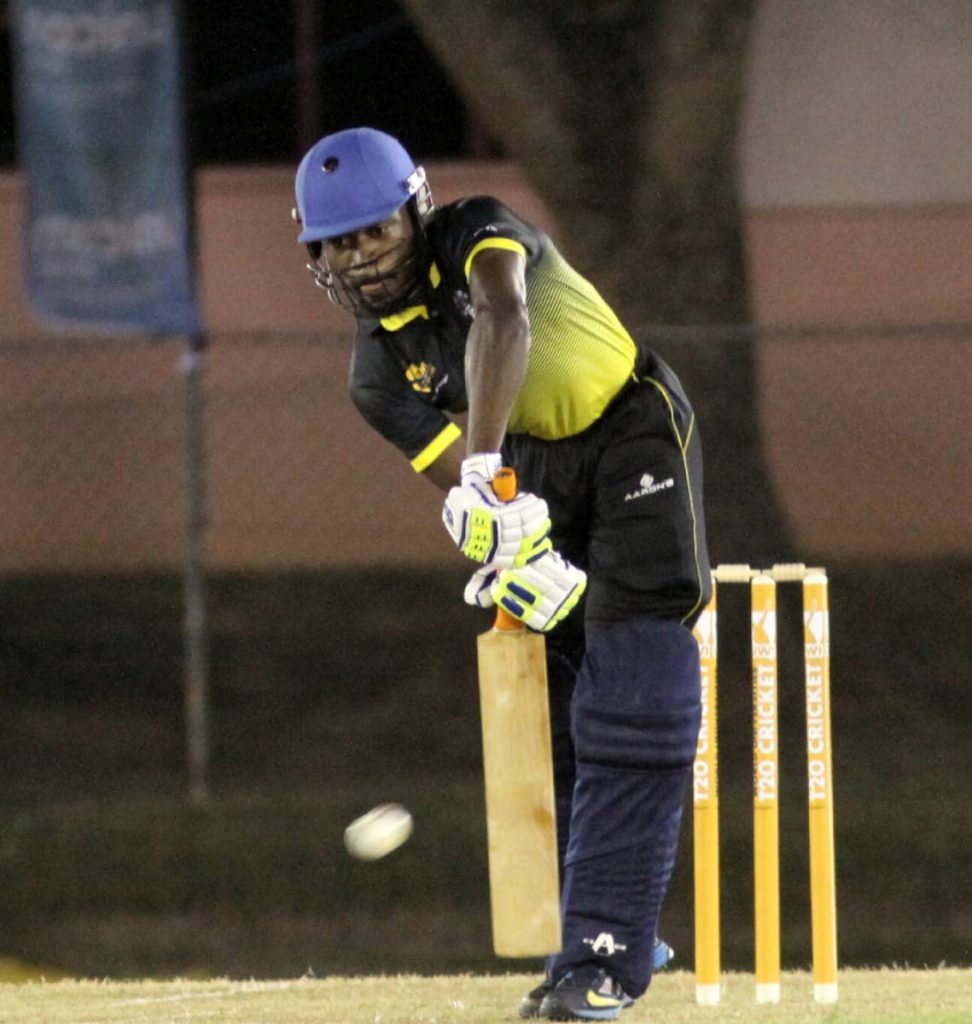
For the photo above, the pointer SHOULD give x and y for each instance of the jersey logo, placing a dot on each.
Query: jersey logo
(649, 485)
(463, 306)
(420, 376)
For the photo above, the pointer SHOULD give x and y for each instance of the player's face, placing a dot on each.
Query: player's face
(372, 263)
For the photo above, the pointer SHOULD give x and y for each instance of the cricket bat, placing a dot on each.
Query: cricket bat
(521, 823)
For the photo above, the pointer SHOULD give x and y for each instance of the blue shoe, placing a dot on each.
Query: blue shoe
(661, 955)
(587, 993)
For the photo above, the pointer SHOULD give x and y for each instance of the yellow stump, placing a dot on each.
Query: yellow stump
(705, 810)
(823, 886)
(766, 851)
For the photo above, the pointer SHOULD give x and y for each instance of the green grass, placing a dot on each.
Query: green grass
(867, 997)
(259, 883)
(105, 871)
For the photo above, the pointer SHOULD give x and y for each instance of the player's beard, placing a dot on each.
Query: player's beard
(383, 285)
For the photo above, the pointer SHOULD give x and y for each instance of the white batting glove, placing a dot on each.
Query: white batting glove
(478, 470)
(477, 592)
(541, 593)
(489, 530)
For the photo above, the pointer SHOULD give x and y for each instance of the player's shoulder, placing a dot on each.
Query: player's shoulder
(369, 358)
(458, 226)
(472, 210)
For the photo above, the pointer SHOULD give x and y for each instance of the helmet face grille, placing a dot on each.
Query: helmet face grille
(397, 286)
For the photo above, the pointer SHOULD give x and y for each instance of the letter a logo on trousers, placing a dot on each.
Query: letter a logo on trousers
(605, 944)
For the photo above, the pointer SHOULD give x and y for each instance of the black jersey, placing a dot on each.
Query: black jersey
(407, 369)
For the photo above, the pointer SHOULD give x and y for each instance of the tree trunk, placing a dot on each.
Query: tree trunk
(624, 115)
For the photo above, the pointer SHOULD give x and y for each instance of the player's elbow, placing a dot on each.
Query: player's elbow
(507, 320)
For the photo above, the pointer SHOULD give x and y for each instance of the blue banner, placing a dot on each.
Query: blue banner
(99, 130)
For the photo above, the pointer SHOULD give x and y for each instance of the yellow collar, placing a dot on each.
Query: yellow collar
(397, 321)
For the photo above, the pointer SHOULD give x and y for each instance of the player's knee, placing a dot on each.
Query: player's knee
(637, 702)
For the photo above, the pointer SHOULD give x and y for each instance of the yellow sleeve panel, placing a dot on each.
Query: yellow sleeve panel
(432, 451)
(492, 243)
(580, 355)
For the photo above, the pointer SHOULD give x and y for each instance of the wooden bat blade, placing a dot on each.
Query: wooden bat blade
(520, 811)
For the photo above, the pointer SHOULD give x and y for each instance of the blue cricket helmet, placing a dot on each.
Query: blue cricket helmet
(351, 179)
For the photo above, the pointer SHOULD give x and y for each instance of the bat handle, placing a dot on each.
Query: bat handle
(504, 483)
(504, 487)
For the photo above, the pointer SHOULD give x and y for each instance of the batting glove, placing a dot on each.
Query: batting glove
(489, 530)
(477, 592)
(540, 594)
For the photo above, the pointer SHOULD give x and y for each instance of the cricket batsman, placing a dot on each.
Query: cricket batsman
(467, 308)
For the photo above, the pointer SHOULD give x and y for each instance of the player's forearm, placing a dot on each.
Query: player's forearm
(496, 363)
(445, 471)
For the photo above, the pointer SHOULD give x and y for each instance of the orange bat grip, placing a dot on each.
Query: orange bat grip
(504, 484)
(504, 487)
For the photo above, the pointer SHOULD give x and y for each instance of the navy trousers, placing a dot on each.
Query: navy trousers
(625, 500)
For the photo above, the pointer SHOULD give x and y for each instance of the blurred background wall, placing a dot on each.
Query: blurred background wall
(854, 161)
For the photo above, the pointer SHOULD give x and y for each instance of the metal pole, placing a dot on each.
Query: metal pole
(307, 46)
(195, 639)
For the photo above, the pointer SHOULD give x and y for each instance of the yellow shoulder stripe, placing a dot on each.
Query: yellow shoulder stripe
(492, 243)
(432, 451)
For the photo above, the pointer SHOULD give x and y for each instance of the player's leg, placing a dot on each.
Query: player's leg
(636, 709)
(569, 482)
(636, 718)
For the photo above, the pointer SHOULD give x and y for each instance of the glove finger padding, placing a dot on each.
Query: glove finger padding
(477, 589)
(488, 530)
(541, 593)
(478, 469)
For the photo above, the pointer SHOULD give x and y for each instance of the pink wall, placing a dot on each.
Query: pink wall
(867, 433)
(868, 430)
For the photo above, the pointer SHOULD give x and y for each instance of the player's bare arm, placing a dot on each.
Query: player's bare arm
(498, 345)
(496, 358)
(446, 471)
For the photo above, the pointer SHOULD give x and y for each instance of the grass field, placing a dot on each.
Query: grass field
(107, 872)
(941, 996)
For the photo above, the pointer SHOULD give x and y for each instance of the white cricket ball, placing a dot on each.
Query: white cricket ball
(377, 833)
